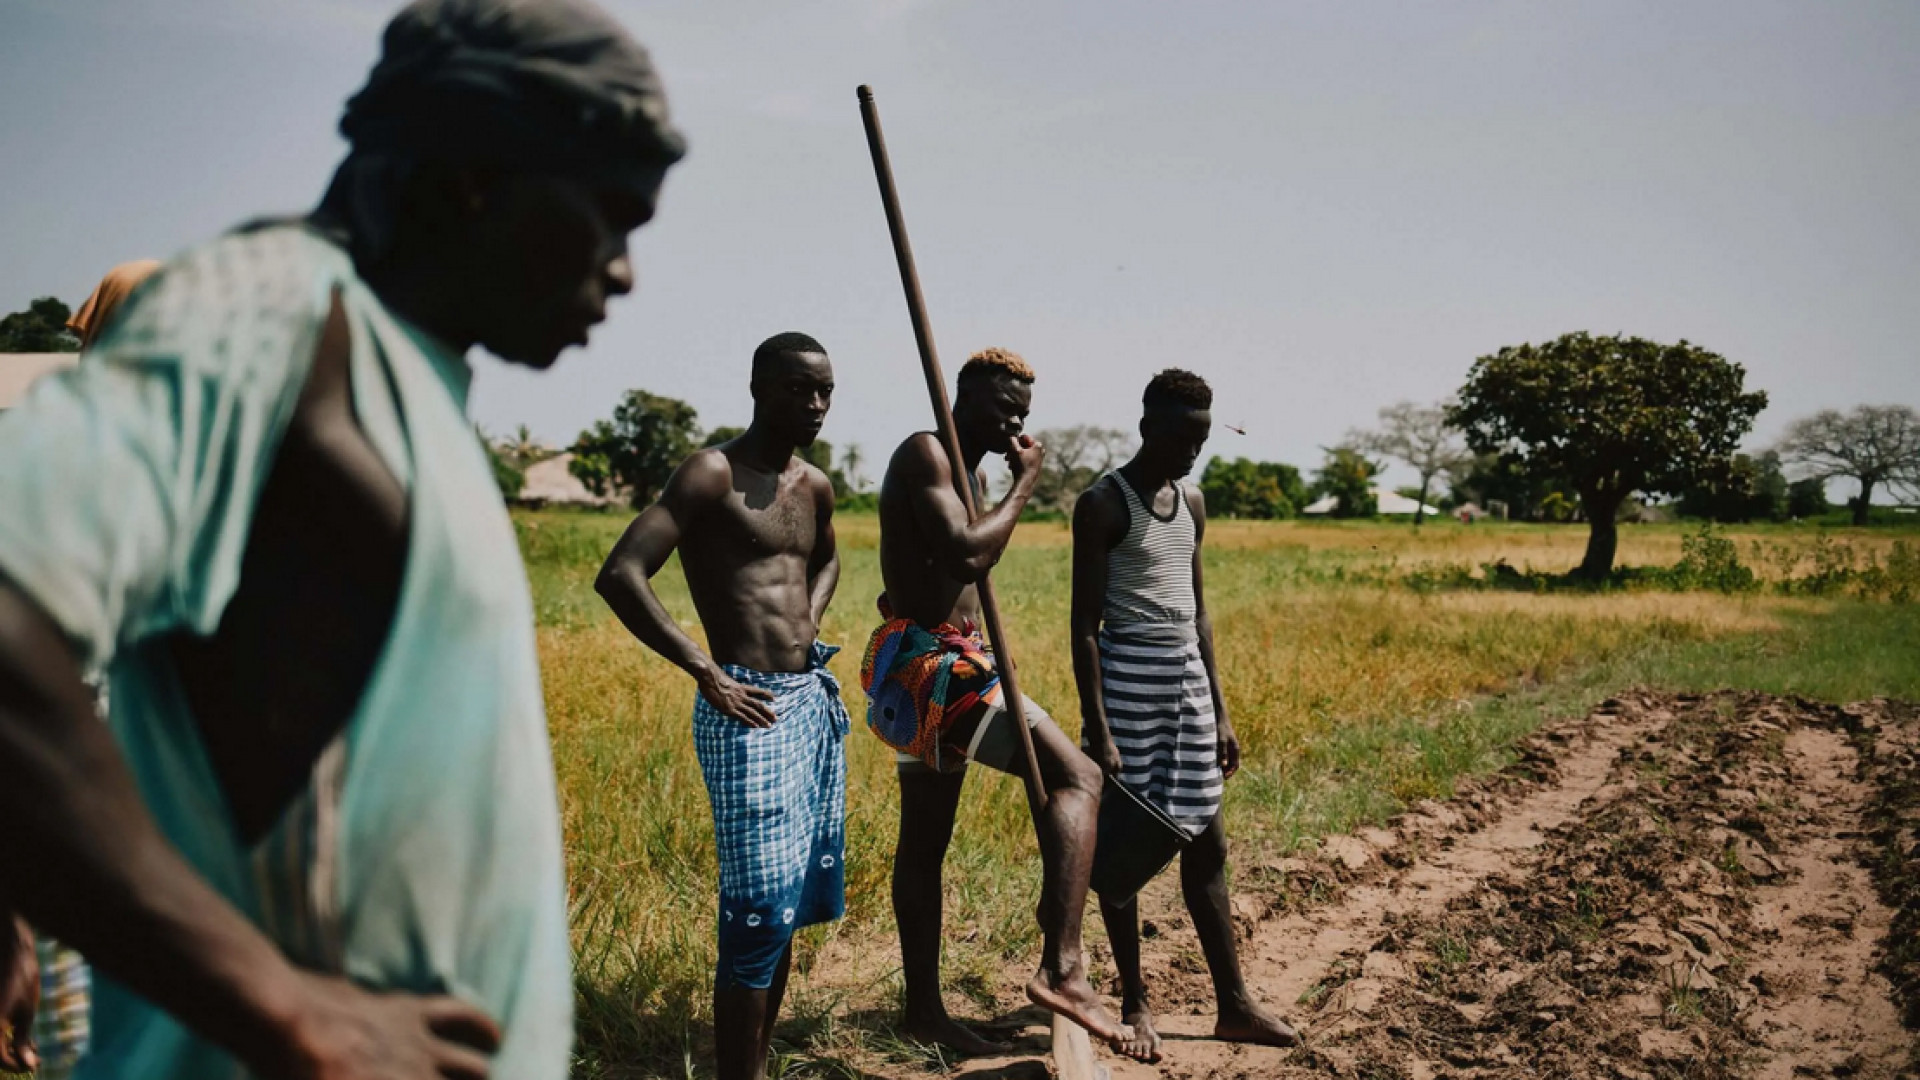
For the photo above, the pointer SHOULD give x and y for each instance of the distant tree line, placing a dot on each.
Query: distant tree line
(1579, 428)
(42, 328)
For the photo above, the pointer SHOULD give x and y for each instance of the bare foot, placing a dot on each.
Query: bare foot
(943, 1030)
(1255, 1026)
(1145, 1044)
(1074, 999)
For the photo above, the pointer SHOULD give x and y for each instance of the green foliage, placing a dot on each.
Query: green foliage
(1614, 415)
(1831, 567)
(1251, 489)
(1710, 561)
(638, 449)
(42, 328)
(1505, 479)
(506, 473)
(1807, 498)
(723, 433)
(1753, 488)
(1347, 474)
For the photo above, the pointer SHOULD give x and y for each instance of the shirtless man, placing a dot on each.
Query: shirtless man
(931, 558)
(320, 836)
(1150, 704)
(754, 526)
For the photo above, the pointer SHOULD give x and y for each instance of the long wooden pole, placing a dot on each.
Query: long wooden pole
(949, 435)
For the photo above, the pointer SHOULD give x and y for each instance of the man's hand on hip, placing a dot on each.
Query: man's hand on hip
(750, 705)
(342, 1032)
(19, 995)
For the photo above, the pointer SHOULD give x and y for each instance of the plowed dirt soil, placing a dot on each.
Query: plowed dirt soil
(1672, 886)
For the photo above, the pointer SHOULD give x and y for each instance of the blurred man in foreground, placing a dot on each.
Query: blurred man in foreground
(322, 838)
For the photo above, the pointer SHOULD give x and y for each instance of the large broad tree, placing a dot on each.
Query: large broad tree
(1874, 446)
(638, 449)
(1420, 437)
(1614, 415)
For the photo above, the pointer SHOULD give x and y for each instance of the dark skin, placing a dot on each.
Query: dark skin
(520, 264)
(754, 527)
(1171, 440)
(931, 559)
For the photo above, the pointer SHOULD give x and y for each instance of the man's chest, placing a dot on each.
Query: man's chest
(782, 523)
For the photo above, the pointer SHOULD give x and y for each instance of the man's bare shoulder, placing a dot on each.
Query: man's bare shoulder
(919, 458)
(816, 481)
(705, 476)
(1100, 512)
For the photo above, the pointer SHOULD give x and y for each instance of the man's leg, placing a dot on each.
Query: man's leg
(1123, 934)
(742, 1017)
(928, 801)
(776, 994)
(1066, 833)
(1203, 883)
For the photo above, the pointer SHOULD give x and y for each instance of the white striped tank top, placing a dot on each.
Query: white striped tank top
(1150, 571)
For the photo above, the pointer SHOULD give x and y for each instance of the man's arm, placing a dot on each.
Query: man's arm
(823, 576)
(964, 550)
(1098, 524)
(625, 583)
(87, 864)
(1229, 743)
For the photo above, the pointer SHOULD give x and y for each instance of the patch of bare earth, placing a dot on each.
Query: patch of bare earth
(1673, 886)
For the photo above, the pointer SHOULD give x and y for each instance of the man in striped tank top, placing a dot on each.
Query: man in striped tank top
(1152, 714)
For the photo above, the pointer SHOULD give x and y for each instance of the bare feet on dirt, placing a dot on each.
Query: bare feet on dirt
(1145, 1044)
(947, 1032)
(1074, 999)
(1256, 1025)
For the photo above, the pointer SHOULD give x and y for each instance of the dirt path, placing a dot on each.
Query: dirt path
(1672, 886)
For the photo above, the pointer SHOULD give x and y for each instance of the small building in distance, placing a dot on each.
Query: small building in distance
(1387, 503)
(18, 371)
(550, 483)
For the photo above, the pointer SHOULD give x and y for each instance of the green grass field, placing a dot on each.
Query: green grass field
(1353, 695)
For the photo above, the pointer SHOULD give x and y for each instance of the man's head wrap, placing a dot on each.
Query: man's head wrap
(539, 85)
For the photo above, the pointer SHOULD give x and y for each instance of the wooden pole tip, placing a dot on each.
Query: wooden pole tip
(866, 94)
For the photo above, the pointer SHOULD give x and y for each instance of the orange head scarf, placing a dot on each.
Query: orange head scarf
(113, 290)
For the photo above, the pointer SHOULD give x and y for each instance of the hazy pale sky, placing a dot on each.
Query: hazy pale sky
(1322, 207)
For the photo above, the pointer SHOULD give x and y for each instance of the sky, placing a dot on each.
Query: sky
(1322, 207)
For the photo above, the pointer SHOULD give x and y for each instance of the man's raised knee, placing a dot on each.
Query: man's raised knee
(1082, 774)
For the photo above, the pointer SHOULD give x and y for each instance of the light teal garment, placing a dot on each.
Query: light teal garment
(425, 854)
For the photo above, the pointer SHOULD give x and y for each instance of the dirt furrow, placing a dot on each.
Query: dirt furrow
(1293, 958)
(1824, 1009)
